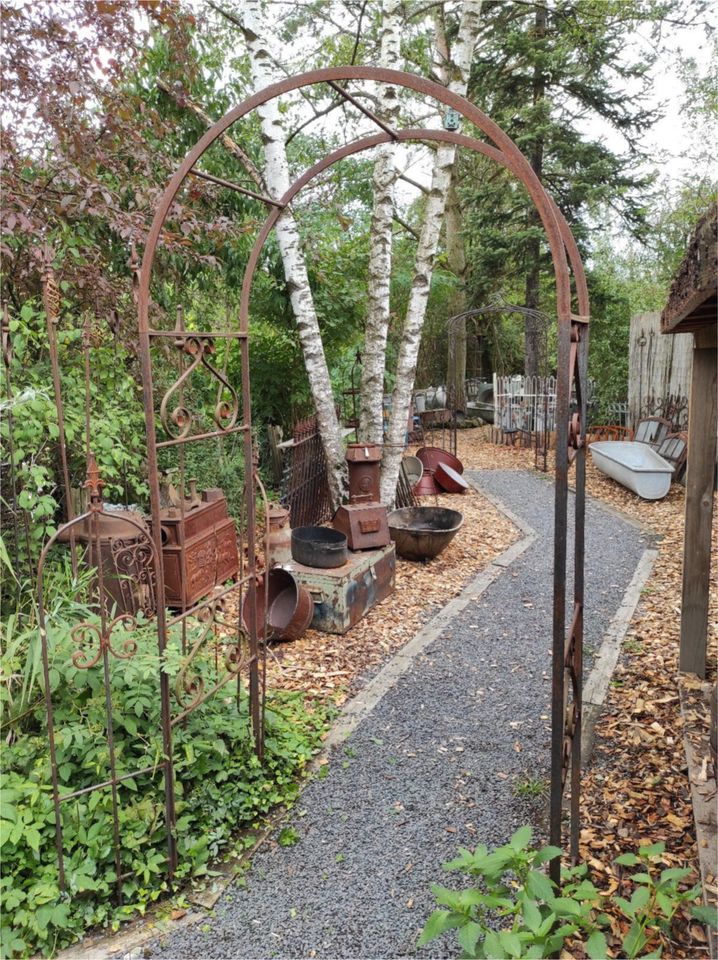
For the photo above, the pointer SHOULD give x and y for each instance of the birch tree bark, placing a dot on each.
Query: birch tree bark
(290, 246)
(454, 72)
(380, 240)
(456, 260)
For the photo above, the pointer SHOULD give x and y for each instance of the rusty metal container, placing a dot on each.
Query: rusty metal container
(279, 540)
(363, 524)
(290, 607)
(125, 557)
(364, 463)
(421, 533)
(431, 457)
(199, 548)
(449, 479)
(320, 547)
(342, 596)
(427, 485)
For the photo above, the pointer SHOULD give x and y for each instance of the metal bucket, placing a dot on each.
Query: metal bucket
(290, 607)
(321, 547)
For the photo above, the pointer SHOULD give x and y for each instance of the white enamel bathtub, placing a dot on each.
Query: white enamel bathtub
(634, 465)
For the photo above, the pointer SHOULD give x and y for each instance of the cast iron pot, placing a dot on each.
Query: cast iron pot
(319, 547)
(421, 533)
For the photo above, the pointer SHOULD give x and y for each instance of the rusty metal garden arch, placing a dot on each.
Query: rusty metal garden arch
(572, 365)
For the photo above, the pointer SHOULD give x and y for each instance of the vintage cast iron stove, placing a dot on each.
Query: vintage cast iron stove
(199, 546)
(363, 519)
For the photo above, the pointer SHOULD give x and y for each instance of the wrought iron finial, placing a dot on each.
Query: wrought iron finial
(94, 483)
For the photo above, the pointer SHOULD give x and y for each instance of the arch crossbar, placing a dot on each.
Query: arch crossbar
(572, 368)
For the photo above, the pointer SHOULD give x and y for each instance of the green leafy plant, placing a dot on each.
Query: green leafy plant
(288, 836)
(529, 788)
(656, 897)
(221, 787)
(515, 910)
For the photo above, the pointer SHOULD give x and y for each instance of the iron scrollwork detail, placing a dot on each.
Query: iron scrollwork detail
(88, 632)
(190, 687)
(178, 421)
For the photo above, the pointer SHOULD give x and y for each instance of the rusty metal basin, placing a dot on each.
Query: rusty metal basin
(449, 480)
(290, 607)
(421, 533)
(431, 457)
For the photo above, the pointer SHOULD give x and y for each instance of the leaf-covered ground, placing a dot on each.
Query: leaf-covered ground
(326, 665)
(636, 788)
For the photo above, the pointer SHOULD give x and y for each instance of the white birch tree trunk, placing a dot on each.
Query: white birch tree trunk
(380, 241)
(290, 246)
(455, 73)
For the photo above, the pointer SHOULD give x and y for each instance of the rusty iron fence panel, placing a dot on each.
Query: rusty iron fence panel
(306, 488)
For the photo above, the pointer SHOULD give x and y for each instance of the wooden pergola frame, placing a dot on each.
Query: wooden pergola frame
(692, 308)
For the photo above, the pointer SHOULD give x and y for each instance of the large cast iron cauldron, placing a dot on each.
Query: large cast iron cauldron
(421, 533)
(319, 547)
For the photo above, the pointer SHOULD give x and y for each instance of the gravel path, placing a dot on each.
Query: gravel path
(435, 766)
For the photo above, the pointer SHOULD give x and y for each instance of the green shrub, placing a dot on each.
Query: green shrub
(220, 787)
(515, 910)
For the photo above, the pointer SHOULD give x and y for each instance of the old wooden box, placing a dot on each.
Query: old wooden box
(343, 595)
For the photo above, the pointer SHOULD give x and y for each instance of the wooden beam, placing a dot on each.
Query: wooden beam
(703, 422)
(695, 281)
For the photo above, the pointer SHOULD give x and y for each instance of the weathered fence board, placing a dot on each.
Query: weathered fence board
(659, 367)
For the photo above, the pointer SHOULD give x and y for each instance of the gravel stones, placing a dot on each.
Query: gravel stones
(436, 765)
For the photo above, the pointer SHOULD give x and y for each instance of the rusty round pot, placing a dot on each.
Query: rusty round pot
(449, 479)
(290, 607)
(431, 457)
(421, 533)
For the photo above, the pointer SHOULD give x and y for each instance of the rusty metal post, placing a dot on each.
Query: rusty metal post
(249, 486)
(165, 705)
(51, 299)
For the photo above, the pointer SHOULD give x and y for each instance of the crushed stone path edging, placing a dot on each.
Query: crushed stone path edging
(432, 762)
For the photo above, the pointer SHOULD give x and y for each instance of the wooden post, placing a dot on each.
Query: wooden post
(699, 504)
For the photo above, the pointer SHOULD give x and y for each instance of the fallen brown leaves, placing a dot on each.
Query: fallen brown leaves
(325, 665)
(636, 789)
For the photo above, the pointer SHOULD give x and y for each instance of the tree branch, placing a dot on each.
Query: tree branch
(405, 225)
(183, 100)
(414, 183)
